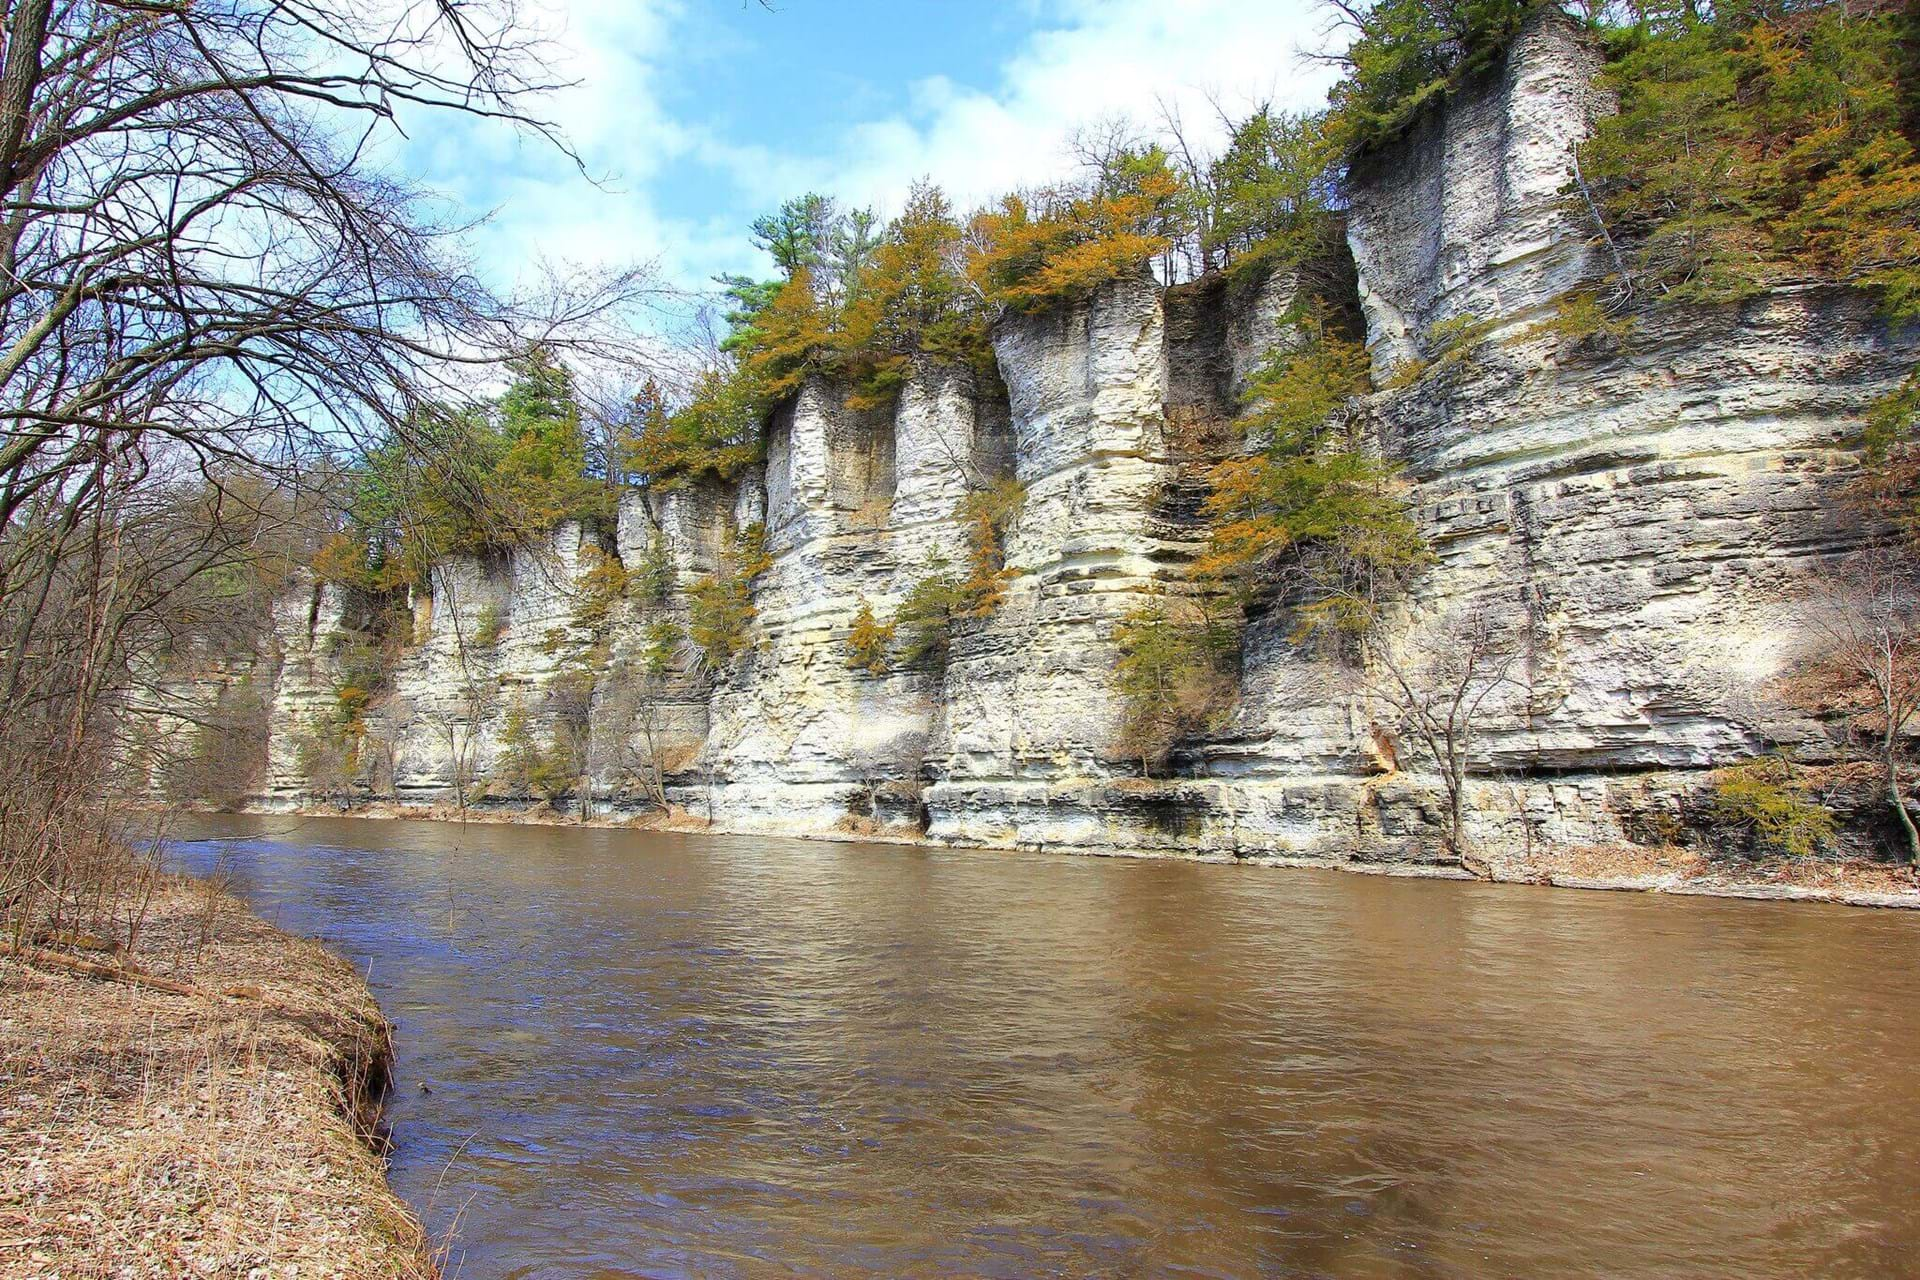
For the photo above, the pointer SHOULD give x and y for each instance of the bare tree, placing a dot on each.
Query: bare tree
(1440, 690)
(1864, 616)
(387, 720)
(204, 287)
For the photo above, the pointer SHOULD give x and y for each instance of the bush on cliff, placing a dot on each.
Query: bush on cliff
(926, 618)
(1172, 675)
(1406, 54)
(1271, 195)
(720, 607)
(1313, 506)
(1757, 145)
(868, 641)
(911, 299)
(1763, 806)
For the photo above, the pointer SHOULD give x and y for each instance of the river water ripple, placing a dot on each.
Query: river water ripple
(666, 1055)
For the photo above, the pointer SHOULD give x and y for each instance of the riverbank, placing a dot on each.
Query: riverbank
(1611, 868)
(205, 1106)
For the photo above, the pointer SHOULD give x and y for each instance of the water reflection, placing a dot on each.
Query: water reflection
(706, 1056)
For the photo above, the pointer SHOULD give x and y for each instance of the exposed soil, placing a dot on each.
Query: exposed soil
(228, 1131)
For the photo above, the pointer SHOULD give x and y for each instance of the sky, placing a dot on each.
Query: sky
(694, 116)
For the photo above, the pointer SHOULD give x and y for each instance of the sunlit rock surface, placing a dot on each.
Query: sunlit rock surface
(1637, 509)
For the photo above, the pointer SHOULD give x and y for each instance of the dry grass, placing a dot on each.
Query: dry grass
(224, 1133)
(1630, 863)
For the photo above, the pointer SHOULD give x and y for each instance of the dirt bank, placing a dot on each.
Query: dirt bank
(214, 1119)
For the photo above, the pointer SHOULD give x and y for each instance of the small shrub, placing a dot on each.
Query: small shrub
(1060, 245)
(1313, 507)
(1761, 800)
(925, 619)
(1171, 676)
(489, 626)
(868, 641)
(987, 514)
(519, 754)
(653, 576)
(1578, 318)
(720, 609)
(1405, 374)
(601, 585)
(664, 637)
(1455, 341)
(749, 552)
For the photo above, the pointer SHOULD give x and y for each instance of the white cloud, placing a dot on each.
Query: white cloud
(1094, 60)
(1090, 60)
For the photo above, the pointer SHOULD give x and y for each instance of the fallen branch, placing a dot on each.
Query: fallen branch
(40, 956)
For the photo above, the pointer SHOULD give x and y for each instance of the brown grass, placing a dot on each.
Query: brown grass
(226, 1132)
(1627, 862)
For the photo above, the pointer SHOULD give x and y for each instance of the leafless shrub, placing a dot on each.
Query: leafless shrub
(1864, 618)
(1440, 684)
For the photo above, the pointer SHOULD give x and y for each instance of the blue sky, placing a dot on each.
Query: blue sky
(700, 114)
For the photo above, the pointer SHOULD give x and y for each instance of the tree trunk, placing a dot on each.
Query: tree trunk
(1457, 821)
(1889, 763)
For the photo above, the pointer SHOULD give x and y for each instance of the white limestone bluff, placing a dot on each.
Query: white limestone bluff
(1643, 504)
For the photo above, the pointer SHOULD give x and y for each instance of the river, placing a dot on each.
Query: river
(639, 1054)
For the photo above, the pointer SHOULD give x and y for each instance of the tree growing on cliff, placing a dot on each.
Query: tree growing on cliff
(720, 607)
(1442, 687)
(1061, 243)
(912, 298)
(1312, 509)
(1402, 55)
(1272, 194)
(1864, 617)
(1171, 675)
(869, 641)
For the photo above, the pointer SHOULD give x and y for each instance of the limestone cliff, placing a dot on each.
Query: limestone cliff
(1638, 507)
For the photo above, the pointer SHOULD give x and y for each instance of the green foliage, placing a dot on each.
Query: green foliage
(600, 585)
(460, 482)
(1171, 675)
(1312, 503)
(720, 607)
(664, 638)
(987, 515)
(489, 626)
(1271, 193)
(868, 641)
(1455, 341)
(715, 434)
(555, 771)
(912, 299)
(1760, 143)
(926, 617)
(1892, 419)
(653, 576)
(1406, 54)
(1761, 800)
(1892, 481)
(363, 664)
(1577, 318)
(519, 754)
(720, 610)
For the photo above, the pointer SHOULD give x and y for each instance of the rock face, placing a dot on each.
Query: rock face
(1632, 511)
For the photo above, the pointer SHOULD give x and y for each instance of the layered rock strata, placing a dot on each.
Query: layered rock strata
(1636, 510)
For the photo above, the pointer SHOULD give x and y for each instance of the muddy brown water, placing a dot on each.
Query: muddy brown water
(665, 1055)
